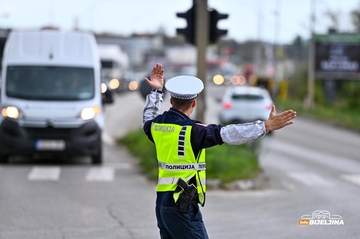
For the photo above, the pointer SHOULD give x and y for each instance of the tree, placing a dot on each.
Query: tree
(298, 49)
(355, 18)
(334, 18)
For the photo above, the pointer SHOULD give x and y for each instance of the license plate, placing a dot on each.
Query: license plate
(44, 144)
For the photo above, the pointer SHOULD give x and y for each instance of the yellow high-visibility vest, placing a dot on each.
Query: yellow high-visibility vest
(176, 159)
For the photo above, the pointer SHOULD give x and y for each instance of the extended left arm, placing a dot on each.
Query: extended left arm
(235, 134)
(248, 132)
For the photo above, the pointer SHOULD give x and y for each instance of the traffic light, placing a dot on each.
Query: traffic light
(214, 32)
(189, 31)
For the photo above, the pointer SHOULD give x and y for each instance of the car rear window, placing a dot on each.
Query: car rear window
(246, 97)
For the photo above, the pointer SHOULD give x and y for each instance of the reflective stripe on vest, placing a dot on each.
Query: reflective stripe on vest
(168, 181)
(176, 158)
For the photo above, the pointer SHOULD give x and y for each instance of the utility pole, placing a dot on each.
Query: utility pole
(309, 103)
(201, 36)
(277, 73)
(258, 45)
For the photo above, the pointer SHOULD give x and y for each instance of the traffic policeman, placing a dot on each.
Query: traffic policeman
(180, 149)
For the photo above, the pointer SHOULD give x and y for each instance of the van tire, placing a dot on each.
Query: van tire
(97, 158)
(4, 158)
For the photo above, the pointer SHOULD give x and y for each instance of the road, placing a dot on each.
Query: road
(308, 166)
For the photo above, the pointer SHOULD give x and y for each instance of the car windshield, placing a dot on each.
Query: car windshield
(50, 83)
(246, 97)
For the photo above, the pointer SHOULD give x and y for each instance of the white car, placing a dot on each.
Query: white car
(242, 104)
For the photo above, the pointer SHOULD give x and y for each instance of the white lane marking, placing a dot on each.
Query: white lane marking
(309, 178)
(44, 173)
(101, 174)
(107, 138)
(337, 162)
(245, 193)
(352, 178)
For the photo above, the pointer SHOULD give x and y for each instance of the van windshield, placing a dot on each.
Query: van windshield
(50, 83)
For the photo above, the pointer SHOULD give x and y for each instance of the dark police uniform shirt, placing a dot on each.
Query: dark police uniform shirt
(202, 136)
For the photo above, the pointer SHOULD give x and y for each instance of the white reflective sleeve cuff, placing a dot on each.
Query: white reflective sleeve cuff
(236, 134)
(152, 106)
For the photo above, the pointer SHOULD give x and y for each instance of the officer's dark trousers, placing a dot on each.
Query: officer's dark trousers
(174, 224)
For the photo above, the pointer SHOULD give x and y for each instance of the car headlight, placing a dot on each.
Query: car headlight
(133, 85)
(89, 113)
(218, 79)
(238, 80)
(103, 88)
(11, 112)
(114, 83)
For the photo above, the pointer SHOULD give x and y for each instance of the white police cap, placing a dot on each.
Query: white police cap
(184, 87)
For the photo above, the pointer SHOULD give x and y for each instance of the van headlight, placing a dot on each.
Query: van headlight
(89, 113)
(11, 112)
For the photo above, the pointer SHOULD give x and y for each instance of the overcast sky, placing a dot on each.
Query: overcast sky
(268, 20)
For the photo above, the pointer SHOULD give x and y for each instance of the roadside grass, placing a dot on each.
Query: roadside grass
(140, 146)
(337, 115)
(224, 162)
(232, 162)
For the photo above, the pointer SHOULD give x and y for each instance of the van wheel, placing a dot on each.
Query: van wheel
(4, 158)
(96, 159)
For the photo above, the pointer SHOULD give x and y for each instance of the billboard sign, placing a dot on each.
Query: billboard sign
(337, 56)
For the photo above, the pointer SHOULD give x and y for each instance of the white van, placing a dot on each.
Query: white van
(50, 95)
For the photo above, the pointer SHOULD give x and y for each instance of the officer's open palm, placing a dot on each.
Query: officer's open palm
(278, 121)
(156, 78)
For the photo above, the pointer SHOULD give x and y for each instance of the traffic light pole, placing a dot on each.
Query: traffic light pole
(309, 101)
(202, 26)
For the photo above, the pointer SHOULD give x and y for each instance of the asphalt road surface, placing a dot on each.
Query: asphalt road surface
(311, 173)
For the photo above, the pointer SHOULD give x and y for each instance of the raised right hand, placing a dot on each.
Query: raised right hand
(156, 78)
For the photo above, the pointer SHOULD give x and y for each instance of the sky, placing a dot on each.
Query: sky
(274, 21)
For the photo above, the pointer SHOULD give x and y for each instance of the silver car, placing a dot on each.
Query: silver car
(242, 104)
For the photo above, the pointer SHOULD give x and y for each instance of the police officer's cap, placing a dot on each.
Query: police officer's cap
(184, 87)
